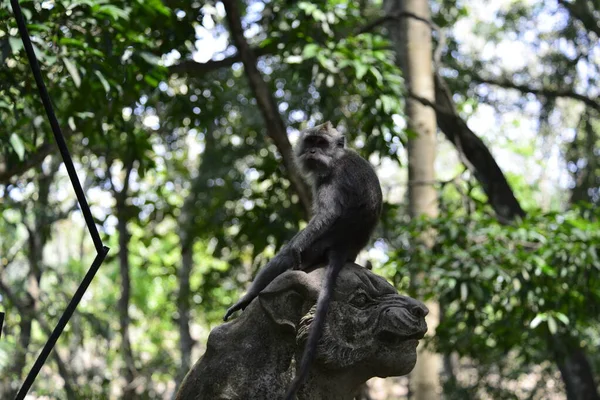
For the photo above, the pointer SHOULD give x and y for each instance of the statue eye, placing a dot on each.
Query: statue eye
(360, 300)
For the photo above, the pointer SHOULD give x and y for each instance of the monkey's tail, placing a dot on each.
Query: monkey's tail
(336, 262)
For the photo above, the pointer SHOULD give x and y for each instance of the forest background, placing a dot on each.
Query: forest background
(180, 117)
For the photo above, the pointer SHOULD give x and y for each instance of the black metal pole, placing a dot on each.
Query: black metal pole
(101, 250)
(58, 136)
(1, 322)
(61, 325)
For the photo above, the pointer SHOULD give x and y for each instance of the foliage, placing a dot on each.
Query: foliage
(134, 88)
(525, 289)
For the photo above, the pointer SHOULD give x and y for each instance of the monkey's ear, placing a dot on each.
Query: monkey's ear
(288, 298)
(341, 141)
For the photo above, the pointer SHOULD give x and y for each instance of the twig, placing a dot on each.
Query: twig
(266, 103)
(539, 91)
(437, 53)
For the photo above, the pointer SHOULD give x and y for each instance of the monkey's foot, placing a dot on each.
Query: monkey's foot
(240, 305)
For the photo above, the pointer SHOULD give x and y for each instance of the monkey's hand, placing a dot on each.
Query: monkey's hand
(240, 305)
(284, 260)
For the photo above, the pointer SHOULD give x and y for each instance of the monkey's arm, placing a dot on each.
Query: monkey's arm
(317, 227)
(328, 212)
(283, 261)
(289, 256)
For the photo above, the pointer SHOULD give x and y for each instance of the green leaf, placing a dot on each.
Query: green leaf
(73, 71)
(27, 14)
(38, 53)
(552, 324)
(375, 72)
(113, 11)
(319, 15)
(562, 318)
(75, 3)
(361, 69)
(85, 115)
(310, 50)
(388, 103)
(151, 80)
(38, 27)
(17, 145)
(72, 42)
(103, 81)
(150, 58)
(327, 63)
(537, 320)
(464, 291)
(16, 44)
(308, 8)
(293, 60)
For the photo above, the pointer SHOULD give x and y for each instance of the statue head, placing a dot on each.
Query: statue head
(370, 330)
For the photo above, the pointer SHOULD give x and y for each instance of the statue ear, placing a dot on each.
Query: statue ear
(288, 298)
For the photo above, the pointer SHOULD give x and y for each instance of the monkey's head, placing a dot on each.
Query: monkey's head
(318, 148)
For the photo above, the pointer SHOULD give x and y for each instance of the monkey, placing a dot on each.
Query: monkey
(347, 204)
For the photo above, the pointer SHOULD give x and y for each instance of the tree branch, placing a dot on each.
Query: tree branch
(391, 17)
(31, 161)
(274, 123)
(474, 154)
(580, 10)
(437, 53)
(191, 67)
(548, 92)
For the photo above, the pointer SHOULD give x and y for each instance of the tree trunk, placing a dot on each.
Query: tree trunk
(274, 124)
(412, 41)
(186, 342)
(122, 215)
(187, 227)
(123, 305)
(28, 304)
(575, 370)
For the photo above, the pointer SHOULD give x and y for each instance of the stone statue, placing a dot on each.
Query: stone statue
(370, 331)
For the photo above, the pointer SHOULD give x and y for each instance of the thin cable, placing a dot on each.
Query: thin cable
(58, 136)
(64, 319)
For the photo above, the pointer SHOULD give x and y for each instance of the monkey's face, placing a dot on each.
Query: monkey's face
(319, 147)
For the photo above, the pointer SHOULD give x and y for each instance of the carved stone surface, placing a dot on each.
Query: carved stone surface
(370, 331)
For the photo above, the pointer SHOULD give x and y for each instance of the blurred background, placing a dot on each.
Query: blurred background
(184, 153)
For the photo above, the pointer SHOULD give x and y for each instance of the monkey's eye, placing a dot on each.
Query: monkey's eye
(320, 142)
(360, 300)
(316, 141)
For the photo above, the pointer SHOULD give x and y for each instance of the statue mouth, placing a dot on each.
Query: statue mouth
(390, 338)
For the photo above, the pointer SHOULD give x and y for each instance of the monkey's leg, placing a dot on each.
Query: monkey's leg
(283, 261)
(336, 263)
(316, 254)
